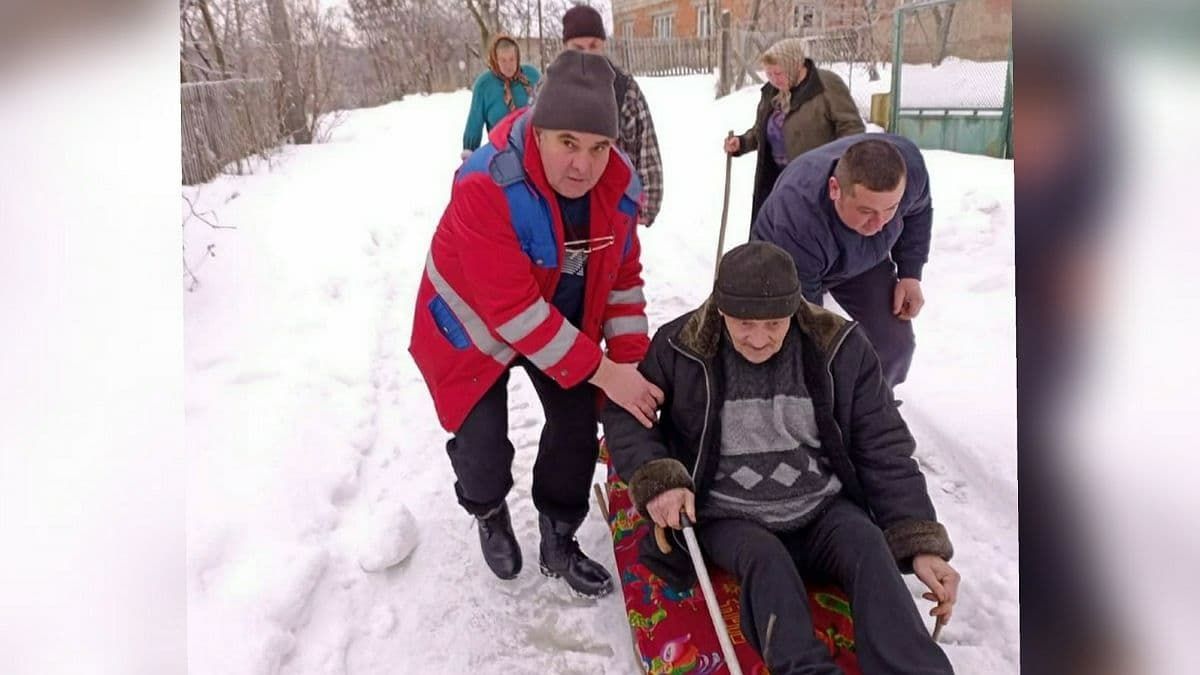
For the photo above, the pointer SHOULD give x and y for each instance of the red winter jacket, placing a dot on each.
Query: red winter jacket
(485, 295)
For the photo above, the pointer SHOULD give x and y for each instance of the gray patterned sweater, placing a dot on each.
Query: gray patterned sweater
(770, 469)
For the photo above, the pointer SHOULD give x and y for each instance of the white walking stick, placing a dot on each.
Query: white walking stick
(710, 597)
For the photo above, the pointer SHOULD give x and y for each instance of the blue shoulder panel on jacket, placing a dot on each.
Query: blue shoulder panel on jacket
(633, 192)
(476, 163)
(531, 221)
(530, 215)
(628, 206)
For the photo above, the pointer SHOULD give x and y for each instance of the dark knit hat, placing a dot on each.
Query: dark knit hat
(757, 280)
(577, 95)
(582, 21)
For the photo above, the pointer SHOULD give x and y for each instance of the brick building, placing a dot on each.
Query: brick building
(671, 18)
(982, 29)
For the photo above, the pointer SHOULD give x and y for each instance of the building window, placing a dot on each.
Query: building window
(804, 16)
(704, 25)
(664, 26)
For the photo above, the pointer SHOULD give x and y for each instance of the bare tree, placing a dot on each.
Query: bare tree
(487, 16)
(420, 43)
(285, 52)
(550, 28)
(755, 13)
(380, 29)
(287, 66)
(192, 52)
(323, 34)
(943, 32)
(206, 14)
(867, 28)
(541, 40)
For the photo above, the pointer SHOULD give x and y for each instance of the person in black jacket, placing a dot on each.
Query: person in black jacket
(780, 439)
(856, 215)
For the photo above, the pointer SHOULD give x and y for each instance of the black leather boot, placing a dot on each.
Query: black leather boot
(500, 547)
(559, 556)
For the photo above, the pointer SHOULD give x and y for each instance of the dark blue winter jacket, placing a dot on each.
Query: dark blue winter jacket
(799, 217)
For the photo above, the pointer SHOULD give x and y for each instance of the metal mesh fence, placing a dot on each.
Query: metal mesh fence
(951, 83)
(952, 54)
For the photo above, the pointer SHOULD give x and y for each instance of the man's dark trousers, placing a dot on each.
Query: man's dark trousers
(868, 299)
(843, 546)
(482, 455)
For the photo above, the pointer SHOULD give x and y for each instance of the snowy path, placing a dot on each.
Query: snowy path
(310, 433)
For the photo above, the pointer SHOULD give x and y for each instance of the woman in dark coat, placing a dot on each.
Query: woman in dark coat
(802, 107)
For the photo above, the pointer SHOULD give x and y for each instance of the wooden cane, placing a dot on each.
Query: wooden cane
(937, 628)
(724, 210)
(601, 501)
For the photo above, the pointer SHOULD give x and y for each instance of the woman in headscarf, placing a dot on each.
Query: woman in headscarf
(504, 87)
(802, 107)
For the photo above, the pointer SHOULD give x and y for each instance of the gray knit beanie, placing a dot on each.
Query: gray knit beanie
(757, 280)
(577, 95)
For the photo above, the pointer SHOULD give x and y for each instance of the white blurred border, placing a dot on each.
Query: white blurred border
(92, 502)
(1135, 452)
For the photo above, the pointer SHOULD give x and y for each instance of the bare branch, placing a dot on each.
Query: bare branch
(203, 219)
(212, 33)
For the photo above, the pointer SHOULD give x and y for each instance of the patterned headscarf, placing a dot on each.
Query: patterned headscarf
(494, 65)
(789, 55)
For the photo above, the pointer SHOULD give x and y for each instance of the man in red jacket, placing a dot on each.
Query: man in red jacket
(534, 262)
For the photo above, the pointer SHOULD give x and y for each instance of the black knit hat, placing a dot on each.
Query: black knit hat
(577, 95)
(582, 21)
(757, 280)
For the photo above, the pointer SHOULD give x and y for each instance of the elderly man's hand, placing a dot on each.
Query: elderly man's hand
(942, 580)
(665, 508)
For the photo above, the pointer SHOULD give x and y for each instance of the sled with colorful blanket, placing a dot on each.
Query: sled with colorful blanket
(673, 632)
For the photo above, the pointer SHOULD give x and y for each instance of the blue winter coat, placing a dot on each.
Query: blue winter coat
(799, 217)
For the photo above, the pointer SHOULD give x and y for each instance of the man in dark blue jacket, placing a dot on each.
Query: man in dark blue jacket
(855, 215)
(779, 438)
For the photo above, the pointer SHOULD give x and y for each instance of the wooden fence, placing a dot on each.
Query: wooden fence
(673, 56)
(646, 57)
(225, 121)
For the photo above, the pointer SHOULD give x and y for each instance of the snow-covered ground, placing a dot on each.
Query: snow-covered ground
(314, 453)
